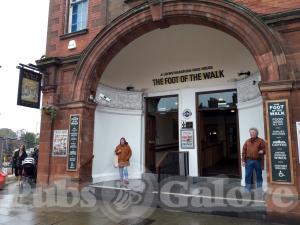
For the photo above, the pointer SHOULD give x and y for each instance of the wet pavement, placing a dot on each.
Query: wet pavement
(45, 207)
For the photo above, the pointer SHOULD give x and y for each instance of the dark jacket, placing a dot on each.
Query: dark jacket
(18, 159)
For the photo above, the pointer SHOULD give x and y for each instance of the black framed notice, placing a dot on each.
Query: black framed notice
(279, 142)
(74, 131)
(29, 91)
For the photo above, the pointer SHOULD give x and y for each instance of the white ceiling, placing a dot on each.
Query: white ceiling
(176, 48)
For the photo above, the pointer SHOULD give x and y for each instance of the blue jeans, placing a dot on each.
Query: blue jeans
(123, 173)
(252, 165)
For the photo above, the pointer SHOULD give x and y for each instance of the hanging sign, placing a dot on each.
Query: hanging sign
(279, 142)
(29, 91)
(74, 131)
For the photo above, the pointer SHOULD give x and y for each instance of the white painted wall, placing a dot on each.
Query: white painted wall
(110, 126)
(188, 101)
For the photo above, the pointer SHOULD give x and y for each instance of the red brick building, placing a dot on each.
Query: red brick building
(110, 47)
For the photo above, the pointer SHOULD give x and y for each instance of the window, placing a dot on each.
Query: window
(78, 15)
(163, 104)
(215, 100)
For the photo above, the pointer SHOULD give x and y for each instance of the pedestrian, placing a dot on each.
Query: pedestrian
(253, 159)
(123, 151)
(19, 156)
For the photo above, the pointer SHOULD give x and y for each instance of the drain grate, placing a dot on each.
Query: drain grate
(136, 221)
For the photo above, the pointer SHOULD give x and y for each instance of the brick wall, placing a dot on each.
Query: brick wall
(58, 46)
(269, 6)
(102, 12)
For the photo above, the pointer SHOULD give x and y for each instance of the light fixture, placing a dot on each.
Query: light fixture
(248, 73)
(129, 88)
(101, 96)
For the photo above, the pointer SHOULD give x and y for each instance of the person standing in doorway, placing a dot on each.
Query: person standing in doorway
(123, 151)
(253, 159)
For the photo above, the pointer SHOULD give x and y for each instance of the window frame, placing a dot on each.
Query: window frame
(69, 16)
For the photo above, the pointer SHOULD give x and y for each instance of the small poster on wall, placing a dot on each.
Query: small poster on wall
(60, 143)
(187, 138)
(298, 137)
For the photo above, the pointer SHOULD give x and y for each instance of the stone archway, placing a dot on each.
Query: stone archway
(225, 16)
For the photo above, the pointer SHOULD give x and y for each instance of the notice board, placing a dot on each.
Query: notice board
(279, 142)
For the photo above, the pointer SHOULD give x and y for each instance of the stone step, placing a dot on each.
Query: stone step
(185, 196)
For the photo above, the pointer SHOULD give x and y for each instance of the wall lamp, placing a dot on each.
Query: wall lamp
(248, 73)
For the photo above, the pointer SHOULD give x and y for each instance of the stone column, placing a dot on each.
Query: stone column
(283, 199)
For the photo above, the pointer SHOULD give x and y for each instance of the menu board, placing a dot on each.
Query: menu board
(279, 141)
(73, 142)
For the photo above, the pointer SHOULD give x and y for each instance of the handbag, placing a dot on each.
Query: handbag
(116, 163)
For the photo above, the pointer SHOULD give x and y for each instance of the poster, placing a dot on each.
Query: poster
(60, 143)
(73, 142)
(187, 138)
(29, 92)
(279, 141)
(298, 137)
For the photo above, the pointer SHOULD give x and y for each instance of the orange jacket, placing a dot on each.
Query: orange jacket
(124, 153)
(251, 149)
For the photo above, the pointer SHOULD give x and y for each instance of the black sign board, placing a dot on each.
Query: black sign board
(74, 131)
(29, 92)
(280, 158)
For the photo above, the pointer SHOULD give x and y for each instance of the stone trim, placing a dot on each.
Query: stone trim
(286, 85)
(77, 104)
(57, 61)
(281, 18)
(120, 99)
(247, 90)
(73, 34)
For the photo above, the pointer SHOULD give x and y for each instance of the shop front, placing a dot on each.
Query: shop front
(162, 90)
(176, 77)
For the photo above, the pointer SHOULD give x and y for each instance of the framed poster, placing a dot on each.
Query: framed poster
(60, 143)
(29, 91)
(298, 137)
(74, 131)
(187, 138)
(279, 142)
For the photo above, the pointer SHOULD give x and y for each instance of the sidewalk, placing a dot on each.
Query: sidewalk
(16, 208)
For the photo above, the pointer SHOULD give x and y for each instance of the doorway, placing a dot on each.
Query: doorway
(217, 124)
(161, 129)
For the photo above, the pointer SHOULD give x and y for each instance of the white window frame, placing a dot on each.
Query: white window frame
(70, 21)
